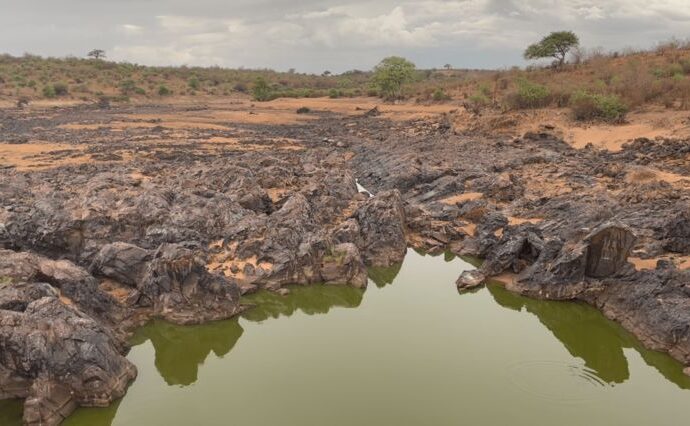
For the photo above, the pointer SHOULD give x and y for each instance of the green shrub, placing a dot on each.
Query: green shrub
(49, 91)
(164, 91)
(529, 95)
(194, 83)
(590, 106)
(261, 90)
(334, 93)
(128, 87)
(439, 95)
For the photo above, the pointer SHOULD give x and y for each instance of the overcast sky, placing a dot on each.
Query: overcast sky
(338, 35)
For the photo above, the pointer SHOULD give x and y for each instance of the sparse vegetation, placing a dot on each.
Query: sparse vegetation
(636, 78)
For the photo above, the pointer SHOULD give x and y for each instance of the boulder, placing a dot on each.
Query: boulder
(344, 265)
(470, 279)
(181, 290)
(73, 282)
(608, 248)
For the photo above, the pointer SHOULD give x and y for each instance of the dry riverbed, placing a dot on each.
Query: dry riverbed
(111, 217)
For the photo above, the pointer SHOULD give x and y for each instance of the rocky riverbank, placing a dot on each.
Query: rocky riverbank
(113, 217)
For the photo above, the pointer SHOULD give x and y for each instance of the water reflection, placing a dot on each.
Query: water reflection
(312, 300)
(588, 335)
(181, 350)
(384, 276)
(10, 412)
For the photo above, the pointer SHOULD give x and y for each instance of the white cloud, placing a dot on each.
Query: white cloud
(354, 34)
(130, 29)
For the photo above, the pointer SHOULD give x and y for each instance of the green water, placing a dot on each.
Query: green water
(408, 351)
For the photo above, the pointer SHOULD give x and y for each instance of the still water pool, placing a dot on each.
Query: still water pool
(409, 350)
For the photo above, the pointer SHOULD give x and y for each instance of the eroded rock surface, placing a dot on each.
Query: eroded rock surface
(56, 356)
(157, 221)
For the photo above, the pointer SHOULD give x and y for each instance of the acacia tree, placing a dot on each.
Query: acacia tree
(391, 74)
(555, 45)
(96, 54)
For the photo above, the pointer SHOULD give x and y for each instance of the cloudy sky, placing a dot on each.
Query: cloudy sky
(338, 35)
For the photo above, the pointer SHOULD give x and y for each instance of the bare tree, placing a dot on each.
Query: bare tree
(96, 54)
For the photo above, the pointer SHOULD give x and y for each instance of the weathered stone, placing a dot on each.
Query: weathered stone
(56, 356)
(344, 265)
(608, 248)
(382, 223)
(470, 279)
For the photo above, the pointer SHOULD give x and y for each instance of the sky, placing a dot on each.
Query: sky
(334, 35)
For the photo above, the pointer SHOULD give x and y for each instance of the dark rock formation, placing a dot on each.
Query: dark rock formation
(55, 356)
(382, 224)
(173, 280)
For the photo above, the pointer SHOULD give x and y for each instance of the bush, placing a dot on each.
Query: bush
(334, 93)
(590, 106)
(476, 103)
(49, 91)
(303, 110)
(529, 95)
(240, 87)
(261, 90)
(164, 91)
(194, 83)
(439, 95)
(128, 87)
(61, 89)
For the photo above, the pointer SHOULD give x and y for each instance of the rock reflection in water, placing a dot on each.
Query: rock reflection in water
(588, 335)
(312, 300)
(181, 350)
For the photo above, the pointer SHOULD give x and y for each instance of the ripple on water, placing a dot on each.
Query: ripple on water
(555, 381)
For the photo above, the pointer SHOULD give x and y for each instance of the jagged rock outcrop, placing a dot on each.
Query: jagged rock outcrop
(73, 283)
(382, 224)
(173, 280)
(55, 356)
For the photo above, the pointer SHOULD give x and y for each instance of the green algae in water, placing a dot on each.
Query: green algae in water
(409, 350)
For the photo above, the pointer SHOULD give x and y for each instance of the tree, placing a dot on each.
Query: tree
(391, 74)
(448, 66)
(555, 45)
(96, 54)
